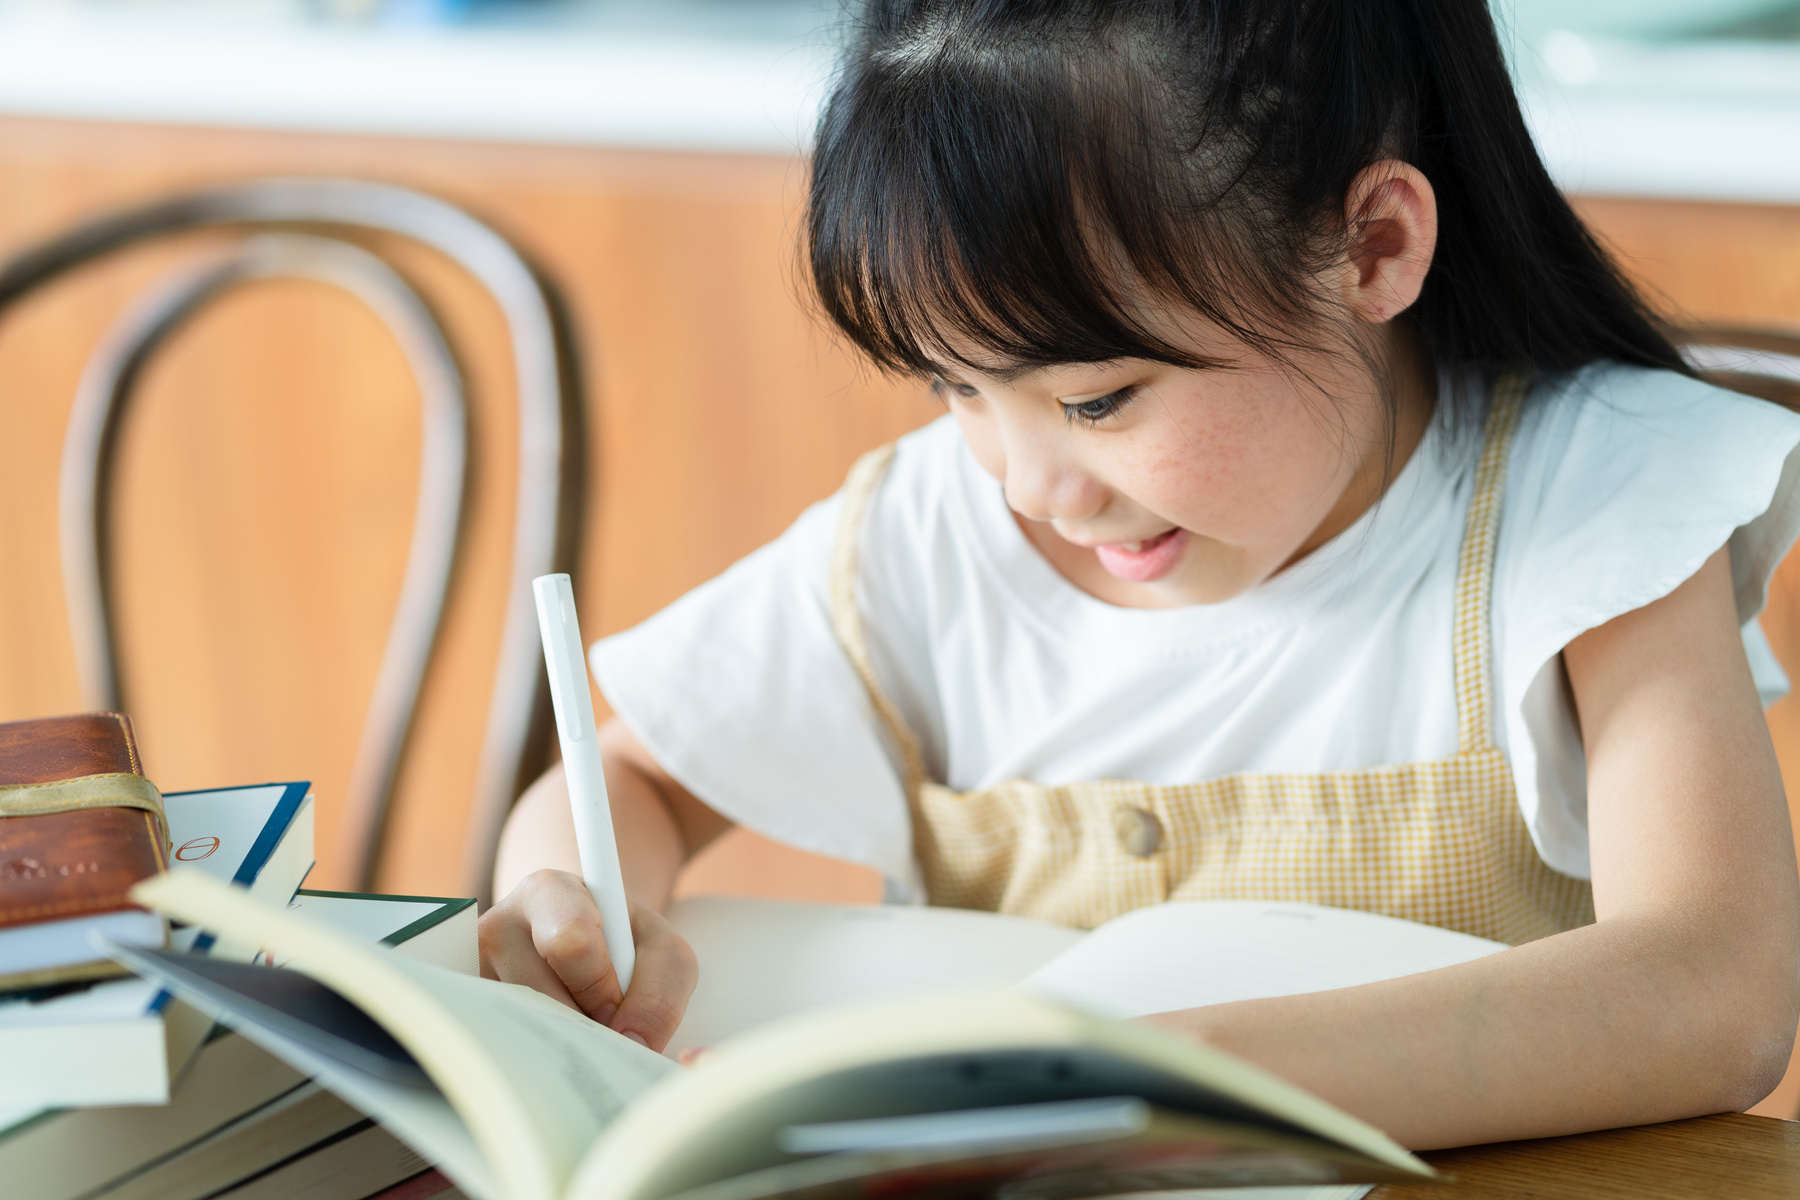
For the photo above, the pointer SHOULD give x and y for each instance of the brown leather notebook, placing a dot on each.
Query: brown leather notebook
(79, 824)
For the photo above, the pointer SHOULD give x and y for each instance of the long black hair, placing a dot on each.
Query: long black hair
(1008, 179)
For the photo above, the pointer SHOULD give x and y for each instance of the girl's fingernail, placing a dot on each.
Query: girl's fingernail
(605, 1013)
(636, 1038)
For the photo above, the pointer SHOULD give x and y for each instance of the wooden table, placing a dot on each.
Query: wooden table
(1732, 1155)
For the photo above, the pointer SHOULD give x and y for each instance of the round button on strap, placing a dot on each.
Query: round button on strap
(1138, 830)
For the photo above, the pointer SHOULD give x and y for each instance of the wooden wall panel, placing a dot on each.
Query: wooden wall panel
(267, 481)
(1723, 263)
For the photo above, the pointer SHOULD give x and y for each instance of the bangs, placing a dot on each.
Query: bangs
(1020, 183)
(1006, 198)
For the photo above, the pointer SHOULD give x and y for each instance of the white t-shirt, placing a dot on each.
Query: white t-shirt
(1622, 481)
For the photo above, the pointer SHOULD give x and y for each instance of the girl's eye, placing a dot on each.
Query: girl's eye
(1092, 412)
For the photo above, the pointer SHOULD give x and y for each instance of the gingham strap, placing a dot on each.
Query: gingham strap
(1475, 571)
(846, 613)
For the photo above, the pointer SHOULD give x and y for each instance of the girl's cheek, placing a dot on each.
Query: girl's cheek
(983, 441)
(1200, 479)
(1232, 493)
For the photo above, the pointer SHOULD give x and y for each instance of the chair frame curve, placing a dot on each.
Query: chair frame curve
(549, 495)
(102, 401)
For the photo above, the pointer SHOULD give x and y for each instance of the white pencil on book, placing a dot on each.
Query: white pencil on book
(594, 840)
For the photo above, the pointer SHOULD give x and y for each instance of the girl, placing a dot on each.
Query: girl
(1318, 516)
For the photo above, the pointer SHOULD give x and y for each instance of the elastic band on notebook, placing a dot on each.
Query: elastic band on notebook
(113, 790)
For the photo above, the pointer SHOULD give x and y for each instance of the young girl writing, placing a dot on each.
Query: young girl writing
(1318, 516)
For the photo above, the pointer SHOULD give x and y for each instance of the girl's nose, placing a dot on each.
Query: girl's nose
(1042, 485)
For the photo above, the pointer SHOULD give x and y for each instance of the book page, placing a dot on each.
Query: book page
(529, 1082)
(761, 960)
(440, 931)
(941, 1053)
(1184, 955)
(453, 943)
(371, 919)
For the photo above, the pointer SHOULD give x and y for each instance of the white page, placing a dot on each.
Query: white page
(110, 1000)
(761, 960)
(16, 1112)
(102, 1045)
(368, 920)
(1184, 955)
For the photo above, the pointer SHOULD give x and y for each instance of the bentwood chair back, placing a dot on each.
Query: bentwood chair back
(347, 223)
(1757, 362)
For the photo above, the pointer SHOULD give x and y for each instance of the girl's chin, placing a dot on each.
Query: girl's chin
(1154, 559)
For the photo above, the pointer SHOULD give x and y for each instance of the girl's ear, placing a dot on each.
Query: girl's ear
(1390, 215)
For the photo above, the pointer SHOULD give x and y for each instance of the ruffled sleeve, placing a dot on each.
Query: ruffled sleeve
(741, 692)
(1622, 482)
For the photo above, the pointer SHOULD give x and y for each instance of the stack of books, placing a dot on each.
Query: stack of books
(111, 1088)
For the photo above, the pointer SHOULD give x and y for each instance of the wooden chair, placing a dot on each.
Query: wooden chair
(550, 476)
(1757, 362)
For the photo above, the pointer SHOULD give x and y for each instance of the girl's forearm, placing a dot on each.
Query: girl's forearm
(540, 834)
(652, 849)
(1633, 1020)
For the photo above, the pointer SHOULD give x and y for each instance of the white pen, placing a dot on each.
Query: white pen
(594, 840)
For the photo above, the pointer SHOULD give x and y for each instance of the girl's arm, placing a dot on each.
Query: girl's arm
(1680, 1000)
(546, 932)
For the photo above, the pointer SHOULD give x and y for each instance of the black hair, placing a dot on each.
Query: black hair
(1004, 178)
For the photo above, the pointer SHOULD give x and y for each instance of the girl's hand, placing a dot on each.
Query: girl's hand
(546, 935)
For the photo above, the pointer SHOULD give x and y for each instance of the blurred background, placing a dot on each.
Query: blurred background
(647, 157)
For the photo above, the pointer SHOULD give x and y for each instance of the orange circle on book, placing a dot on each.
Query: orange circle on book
(197, 849)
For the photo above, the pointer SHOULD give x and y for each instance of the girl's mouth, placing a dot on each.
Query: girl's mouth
(1145, 561)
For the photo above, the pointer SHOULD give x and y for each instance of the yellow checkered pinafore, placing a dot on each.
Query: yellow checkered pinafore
(1440, 842)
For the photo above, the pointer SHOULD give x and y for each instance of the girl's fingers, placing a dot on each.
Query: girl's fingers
(546, 935)
(565, 929)
(661, 983)
(508, 955)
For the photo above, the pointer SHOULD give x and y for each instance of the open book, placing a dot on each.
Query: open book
(764, 960)
(519, 1098)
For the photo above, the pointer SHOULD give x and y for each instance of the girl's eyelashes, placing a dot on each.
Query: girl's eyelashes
(1087, 412)
(1092, 412)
